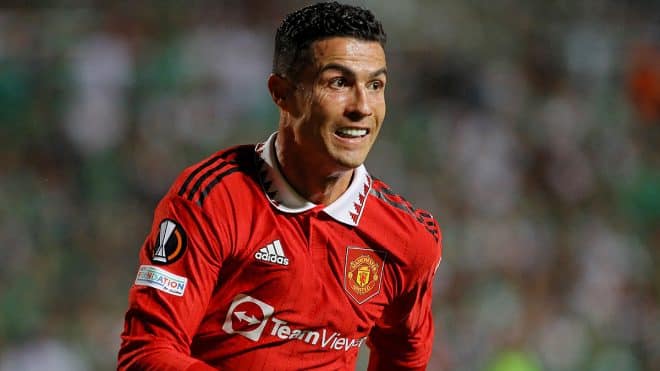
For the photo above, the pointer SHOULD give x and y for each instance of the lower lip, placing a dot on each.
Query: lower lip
(351, 140)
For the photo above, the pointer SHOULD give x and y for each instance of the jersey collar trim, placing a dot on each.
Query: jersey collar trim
(346, 209)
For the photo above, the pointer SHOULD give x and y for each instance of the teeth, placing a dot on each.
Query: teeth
(352, 132)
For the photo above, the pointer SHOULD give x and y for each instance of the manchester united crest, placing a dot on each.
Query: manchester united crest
(363, 273)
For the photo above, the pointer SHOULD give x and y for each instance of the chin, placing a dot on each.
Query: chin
(346, 159)
(349, 163)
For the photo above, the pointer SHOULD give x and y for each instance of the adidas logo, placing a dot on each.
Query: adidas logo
(272, 253)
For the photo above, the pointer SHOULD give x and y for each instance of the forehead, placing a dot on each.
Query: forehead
(355, 53)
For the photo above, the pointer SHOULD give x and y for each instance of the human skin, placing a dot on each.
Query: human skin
(331, 116)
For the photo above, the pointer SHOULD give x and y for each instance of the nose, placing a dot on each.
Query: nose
(359, 106)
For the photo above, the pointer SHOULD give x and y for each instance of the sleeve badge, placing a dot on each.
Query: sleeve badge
(170, 243)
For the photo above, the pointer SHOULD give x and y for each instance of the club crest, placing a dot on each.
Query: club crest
(363, 273)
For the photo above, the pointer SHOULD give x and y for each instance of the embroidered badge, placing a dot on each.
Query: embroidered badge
(158, 278)
(170, 243)
(363, 273)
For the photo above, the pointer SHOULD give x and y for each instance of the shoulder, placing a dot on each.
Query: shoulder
(230, 166)
(206, 197)
(412, 234)
(403, 212)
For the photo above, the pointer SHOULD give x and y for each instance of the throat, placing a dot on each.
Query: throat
(308, 178)
(330, 189)
(314, 185)
(321, 190)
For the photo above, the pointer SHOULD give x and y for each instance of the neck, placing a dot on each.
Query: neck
(313, 182)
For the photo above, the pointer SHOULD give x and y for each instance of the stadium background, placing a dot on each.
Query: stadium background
(529, 128)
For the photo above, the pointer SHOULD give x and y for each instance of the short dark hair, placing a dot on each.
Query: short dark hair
(317, 22)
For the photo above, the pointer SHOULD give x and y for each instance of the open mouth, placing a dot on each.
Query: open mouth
(351, 132)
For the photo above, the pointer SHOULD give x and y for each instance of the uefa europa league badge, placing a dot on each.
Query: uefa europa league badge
(170, 243)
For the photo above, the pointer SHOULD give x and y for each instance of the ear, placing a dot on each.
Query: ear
(281, 91)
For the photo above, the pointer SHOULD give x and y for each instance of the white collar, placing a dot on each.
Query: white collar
(347, 208)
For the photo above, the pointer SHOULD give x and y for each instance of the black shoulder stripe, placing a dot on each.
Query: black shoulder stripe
(205, 192)
(421, 216)
(203, 166)
(387, 191)
(398, 205)
(425, 214)
(199, 169)
(205, 176)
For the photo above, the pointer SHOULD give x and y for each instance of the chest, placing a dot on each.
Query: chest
(311, 274)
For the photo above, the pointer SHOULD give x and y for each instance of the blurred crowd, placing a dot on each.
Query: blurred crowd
(530, 129)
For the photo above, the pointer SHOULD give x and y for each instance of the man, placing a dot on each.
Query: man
(288, 255)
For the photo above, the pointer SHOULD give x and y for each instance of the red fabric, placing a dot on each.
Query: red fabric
(238, 312)
(200, 366)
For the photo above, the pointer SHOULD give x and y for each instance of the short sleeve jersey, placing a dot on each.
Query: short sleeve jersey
(242, 273)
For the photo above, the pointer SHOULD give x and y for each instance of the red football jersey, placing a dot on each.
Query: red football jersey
(240, 272)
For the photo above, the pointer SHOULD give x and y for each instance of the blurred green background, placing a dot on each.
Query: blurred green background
(530, 129)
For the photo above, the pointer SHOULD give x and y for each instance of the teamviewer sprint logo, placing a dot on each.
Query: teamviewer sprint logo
(247, 316)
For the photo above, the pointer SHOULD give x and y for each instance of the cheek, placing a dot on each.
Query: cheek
(379, 107)
(328, 105)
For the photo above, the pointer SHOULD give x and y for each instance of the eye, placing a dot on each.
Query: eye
(338, 82)
(375, 85)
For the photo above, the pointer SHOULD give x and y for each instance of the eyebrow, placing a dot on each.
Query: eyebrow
(348, 71)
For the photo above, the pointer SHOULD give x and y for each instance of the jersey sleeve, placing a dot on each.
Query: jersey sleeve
(402, 338)
(178, 268)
